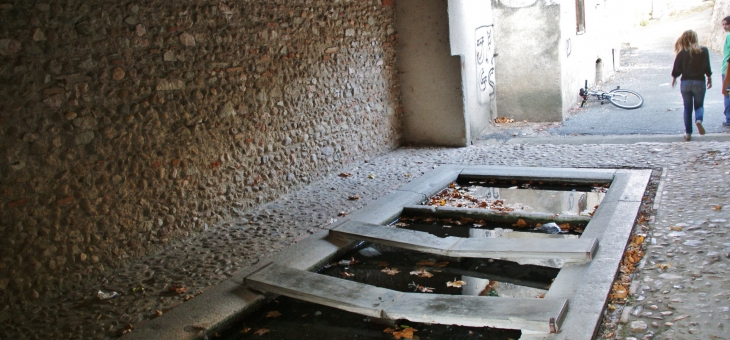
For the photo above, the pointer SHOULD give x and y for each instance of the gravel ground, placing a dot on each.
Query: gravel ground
(685, 298)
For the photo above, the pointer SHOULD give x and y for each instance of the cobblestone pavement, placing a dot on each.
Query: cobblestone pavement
(684, 298)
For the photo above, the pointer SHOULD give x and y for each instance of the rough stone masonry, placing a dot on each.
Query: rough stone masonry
(128, 125)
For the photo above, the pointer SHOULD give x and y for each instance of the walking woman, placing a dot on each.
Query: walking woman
(693, 64)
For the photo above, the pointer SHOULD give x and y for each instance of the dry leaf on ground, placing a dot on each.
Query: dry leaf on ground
(422, 289)
(421, 272)
(456, 283)
(390, 271)
(503, 120)
(406, 333)
(262, 331)
(353, 197)
(520, 223)
(273, 314)
(177, 288)
(345, 174)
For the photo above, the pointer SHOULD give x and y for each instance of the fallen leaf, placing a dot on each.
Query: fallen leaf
(456, 283)
(273, 314)
(345, 174)
(520, 223)
(405, 334)
(564, 226)
(388, 330)
(353, 197)
(664, 266)
(177, 288)
(261, 331)
(383, 264)
(417, 287)
(426, 263)
(187, 297)
(341, 213)
(503, 120)
(346, 274)
(717, 207)
(372, 176)
(127, 328)
(441, 264)
(675, 228)
(158, 312)
(246, 330)
(390, 271)
(421, 272)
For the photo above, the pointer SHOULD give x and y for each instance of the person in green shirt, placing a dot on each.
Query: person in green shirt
(725, 58)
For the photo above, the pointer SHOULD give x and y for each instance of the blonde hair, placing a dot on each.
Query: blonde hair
(687, 41)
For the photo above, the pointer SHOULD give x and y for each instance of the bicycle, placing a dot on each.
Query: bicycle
(625, 99)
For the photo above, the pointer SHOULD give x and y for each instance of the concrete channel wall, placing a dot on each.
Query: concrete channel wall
(127, 126)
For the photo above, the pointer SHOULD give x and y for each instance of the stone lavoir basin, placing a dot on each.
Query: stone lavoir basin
(461, 252)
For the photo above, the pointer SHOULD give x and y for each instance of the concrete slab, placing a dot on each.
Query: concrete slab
(628, 185)
(570, 250)
(587, 285)
(395, 237)
(574, 175)
(491, 215)
(532, 315)
(325, 290)
(387, 208)
(433, 181)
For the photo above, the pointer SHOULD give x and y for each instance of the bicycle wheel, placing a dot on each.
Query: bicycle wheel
(625, 99)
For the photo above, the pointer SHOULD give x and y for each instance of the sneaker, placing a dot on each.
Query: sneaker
(700, 128)
(687, 137)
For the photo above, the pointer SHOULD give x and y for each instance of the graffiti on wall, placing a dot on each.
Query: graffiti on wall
(485, 63)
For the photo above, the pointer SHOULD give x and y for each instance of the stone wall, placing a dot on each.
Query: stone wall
(128, 125)
(716, 39)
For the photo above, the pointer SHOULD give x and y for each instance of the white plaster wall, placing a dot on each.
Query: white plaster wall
(430, 77)
(472, 37)
(579, 52)
(528, 69)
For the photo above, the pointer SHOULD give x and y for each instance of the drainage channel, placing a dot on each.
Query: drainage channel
(539, 315)
(492, 225)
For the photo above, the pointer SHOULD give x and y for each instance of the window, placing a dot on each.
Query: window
(580, 16)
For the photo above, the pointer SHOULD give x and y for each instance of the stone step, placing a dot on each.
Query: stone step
(569, 250)
(528, 315)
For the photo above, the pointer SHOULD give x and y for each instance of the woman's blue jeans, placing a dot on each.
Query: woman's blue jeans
(693, 93)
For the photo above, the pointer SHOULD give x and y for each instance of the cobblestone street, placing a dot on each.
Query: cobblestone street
(678, 293)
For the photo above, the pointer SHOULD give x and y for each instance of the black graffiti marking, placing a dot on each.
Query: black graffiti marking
(483, 81)
(489, 39)
(491, 83)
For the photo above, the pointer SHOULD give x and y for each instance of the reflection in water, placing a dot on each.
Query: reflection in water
(549, 201)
